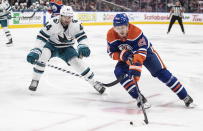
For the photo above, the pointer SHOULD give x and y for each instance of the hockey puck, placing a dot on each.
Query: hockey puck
(131, 123)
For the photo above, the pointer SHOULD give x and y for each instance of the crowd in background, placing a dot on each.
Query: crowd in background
(192, 6)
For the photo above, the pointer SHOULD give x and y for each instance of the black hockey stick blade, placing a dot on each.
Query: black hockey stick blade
(113, 82)
(142, 105)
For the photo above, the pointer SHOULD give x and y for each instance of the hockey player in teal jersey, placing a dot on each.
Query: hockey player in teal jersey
(5, 9)
(56, 39)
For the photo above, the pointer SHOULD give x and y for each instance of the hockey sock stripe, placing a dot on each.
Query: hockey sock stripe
(133, 92)
(91, 76)
(128, 85)
(124, 82)
(40, 64)
(182, 93)
(85, 72)
(169, 80)
(180, 89)
(129, 89)
(176, 87)
(173, 80)
(41, 68)
(38, 71)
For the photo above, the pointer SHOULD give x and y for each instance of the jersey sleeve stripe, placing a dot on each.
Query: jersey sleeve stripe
(82, 38)
(142, 54)
(41, 38)
(142, 49)
(9, 8)
(79, 34)
(44, 34)
(4, 15)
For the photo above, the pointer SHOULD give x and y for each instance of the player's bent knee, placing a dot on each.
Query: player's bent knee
(164, 75)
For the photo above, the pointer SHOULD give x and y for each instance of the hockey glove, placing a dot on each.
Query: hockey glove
(83, 50)
(135, 71)
(33, 56)
(126, 55)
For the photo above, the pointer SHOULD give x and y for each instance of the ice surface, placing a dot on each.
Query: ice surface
(66, 103)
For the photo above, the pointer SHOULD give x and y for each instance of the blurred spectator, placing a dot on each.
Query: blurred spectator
(113, 5)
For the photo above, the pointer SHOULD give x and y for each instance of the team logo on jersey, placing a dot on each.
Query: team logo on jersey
(64, 39)
(125, 46)
(54, 8)
(142, 42)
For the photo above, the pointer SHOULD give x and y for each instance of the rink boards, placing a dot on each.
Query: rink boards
(21, 20)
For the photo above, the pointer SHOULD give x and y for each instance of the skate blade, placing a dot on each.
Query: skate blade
(192, 105)
(9, 45)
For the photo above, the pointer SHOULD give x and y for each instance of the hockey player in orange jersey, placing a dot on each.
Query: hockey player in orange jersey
(55, 7)
(129, 46)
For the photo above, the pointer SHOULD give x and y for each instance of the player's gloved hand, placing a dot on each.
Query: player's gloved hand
(83, 50)
(135, 71)
(126, 55)
(33, 56)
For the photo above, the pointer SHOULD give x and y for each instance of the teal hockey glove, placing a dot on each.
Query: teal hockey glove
(83, 50)
(33, 56)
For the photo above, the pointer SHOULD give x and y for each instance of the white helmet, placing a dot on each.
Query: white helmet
(66, 11)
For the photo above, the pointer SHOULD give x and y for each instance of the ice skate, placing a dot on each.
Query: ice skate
(33, 85)
(189, 102)
(9, 43)
(99, 87)
(145, 103)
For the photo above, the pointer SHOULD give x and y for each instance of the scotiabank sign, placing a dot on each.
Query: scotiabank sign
(155, 17)
(136, 17)
(164, 17)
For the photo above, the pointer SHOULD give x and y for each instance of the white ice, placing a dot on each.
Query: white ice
(66, 103)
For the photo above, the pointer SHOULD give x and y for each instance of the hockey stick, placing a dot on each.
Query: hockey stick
(141, 101)
(78, 75)
(142, 105)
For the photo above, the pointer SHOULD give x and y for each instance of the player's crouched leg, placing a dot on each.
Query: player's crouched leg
(172, 82)
(121, 70)
(38, 70)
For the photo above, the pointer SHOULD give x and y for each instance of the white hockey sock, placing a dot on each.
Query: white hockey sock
(81, 68)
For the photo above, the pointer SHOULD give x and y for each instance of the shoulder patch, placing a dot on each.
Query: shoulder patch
(142, 42)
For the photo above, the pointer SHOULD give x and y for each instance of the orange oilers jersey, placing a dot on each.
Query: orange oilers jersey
(58, 2)
(135, 41)
(56, 6)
